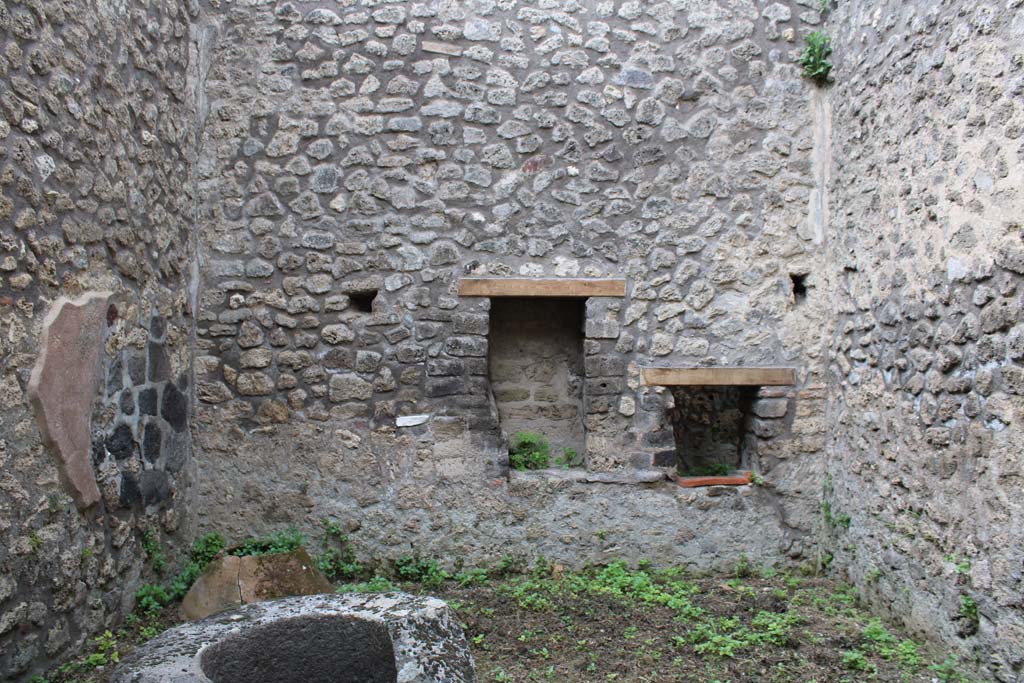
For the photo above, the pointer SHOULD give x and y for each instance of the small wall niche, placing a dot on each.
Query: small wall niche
(720, 414)
(362, 301)
(798, 285)
(710, 428)
(536, 368)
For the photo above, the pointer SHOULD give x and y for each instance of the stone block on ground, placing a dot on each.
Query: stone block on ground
(230, 582)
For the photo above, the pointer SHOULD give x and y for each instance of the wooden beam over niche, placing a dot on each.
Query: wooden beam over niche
(718, 377)
(532, 287)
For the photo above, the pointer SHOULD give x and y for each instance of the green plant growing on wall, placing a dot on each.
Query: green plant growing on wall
(961, 565)
(969, 612)
(154, 553)
(337, 560)
(529, 451)
(814, 58)
(567, 459)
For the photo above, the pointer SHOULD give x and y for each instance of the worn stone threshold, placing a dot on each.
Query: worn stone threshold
(584, 477)
(738, 479)
(718, 377)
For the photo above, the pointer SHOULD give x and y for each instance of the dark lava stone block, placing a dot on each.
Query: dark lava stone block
(174, 408)
(151, 443)
(159, 363)
(147, 401)
(127, 402)
(137, 369)
(131, 494)
(157, 327)
(119, 444)
(155, 486)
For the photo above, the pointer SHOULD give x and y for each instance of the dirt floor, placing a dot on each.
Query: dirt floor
(615, 623)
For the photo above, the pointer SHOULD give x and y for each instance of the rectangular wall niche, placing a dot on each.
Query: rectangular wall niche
(711, 430)
(536, 367)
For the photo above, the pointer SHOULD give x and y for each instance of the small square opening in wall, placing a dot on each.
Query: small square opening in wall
(710, 428)
(536, 369)
(798, 285)
(363, 301)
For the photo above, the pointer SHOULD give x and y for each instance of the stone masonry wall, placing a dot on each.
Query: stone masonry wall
(95, 139)
(926, 391)
(400, 146)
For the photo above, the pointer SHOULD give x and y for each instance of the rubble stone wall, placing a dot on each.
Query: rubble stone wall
(398, 147)
(926, 389)
(285, 196)
(95, 138)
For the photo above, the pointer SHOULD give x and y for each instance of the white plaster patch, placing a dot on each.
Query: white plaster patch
(45, 165)
(957, 269)
(565, 267)
(411, 420)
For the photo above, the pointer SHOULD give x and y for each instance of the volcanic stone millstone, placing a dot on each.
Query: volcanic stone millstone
(381, 638)
(303, 649)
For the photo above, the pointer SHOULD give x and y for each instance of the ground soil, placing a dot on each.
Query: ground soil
(638, 626)
(588, 637)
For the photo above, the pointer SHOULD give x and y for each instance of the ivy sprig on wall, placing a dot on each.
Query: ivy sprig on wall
(814, 58)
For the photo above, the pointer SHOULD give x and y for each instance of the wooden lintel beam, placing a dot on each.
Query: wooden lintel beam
(719, 377)
(532, 287)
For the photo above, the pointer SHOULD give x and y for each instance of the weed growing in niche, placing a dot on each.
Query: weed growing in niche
(814, 58)
(529, 451)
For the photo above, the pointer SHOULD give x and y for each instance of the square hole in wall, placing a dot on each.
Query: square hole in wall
(536, 368)
(710, 425)
(362, 301)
